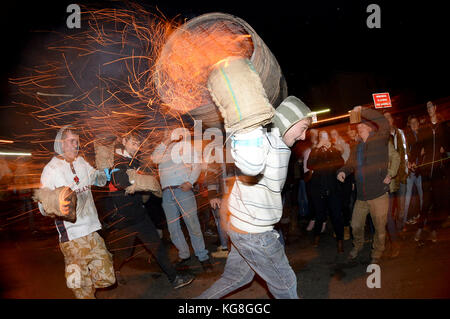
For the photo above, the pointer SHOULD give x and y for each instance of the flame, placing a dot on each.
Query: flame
(183, 67)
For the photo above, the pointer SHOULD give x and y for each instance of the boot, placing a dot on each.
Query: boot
(346, 232)
(340, 246)
(316, 241)
(395, 249)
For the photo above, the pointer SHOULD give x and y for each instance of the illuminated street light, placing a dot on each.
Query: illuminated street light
(15, 154)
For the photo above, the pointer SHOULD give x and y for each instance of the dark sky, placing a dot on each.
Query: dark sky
(327, 53)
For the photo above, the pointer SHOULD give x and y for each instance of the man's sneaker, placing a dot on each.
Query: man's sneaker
(433, 236)
(418, 233)
(353, 254)
(346, 232)
(209, 233)
(310, 225)
(182, 280)
(182, 263)
(207, 266)
(119, 279)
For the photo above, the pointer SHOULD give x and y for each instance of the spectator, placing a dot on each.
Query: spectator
(218, 192)
(347, 187)
(326, 191)
(434, 144)
(177, 179)
(369, 161)
(394, 163)
(313, 139)
(414, 177)
(23, 186)
(397, 198)
(340, 144)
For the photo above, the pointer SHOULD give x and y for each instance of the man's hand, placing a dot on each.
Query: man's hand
(341, 177)
(186, 186)
(387, 180)
(215, 203)
(442, 150)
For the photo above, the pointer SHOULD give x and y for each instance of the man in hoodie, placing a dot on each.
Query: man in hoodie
(255, 203)
(434, 143)
(369, 161)
(88, 262)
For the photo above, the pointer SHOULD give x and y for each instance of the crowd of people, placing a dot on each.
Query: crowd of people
(364, 175)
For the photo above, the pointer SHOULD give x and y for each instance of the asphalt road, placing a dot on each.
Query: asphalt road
(32, 267)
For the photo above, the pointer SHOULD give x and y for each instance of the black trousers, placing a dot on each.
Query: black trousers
(435, 201)
(120, 243)
(325, 204)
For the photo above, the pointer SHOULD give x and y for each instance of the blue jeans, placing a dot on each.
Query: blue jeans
(260, 253)
(178, 203)
(222, 234)
(417, 180)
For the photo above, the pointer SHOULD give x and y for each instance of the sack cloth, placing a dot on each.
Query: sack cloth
(238, 92)
(104, 155)
(142, 183)
(57, 201)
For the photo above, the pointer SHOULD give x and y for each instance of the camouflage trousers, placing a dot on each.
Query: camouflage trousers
(88, 265)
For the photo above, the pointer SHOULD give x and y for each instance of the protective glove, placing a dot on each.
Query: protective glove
(109, 173)
(60, 202)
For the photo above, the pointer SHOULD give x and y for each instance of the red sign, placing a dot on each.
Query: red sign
(381, 100)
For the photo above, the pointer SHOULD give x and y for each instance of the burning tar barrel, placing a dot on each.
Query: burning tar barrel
(185, 60)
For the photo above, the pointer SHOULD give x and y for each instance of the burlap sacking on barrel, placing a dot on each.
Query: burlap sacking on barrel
(355, 117)
(104, 155)
(142, 183)
(54, 201)
(238, 92)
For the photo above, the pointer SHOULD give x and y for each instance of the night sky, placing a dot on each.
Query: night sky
(329, 56)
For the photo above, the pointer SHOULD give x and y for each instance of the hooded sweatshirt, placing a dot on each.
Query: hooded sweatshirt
(79, 176)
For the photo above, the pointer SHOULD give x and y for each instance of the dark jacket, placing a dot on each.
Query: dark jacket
(369, 160)
(123, 210)
(431, 138)
(325, 164)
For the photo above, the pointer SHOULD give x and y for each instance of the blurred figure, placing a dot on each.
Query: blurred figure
(127, 218)
(23, 186)
(313, 139)
(369, 161)
(434, 142)
(6, 176)
(397, 209)
(414, 176)
(326, 191)
(340, 144)
(393, 167)
(348, 186)
(177, 180)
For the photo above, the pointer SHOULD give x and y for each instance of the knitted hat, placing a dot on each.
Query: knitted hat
(289, 112)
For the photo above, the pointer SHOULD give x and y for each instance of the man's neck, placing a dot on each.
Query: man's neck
(434, 119)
